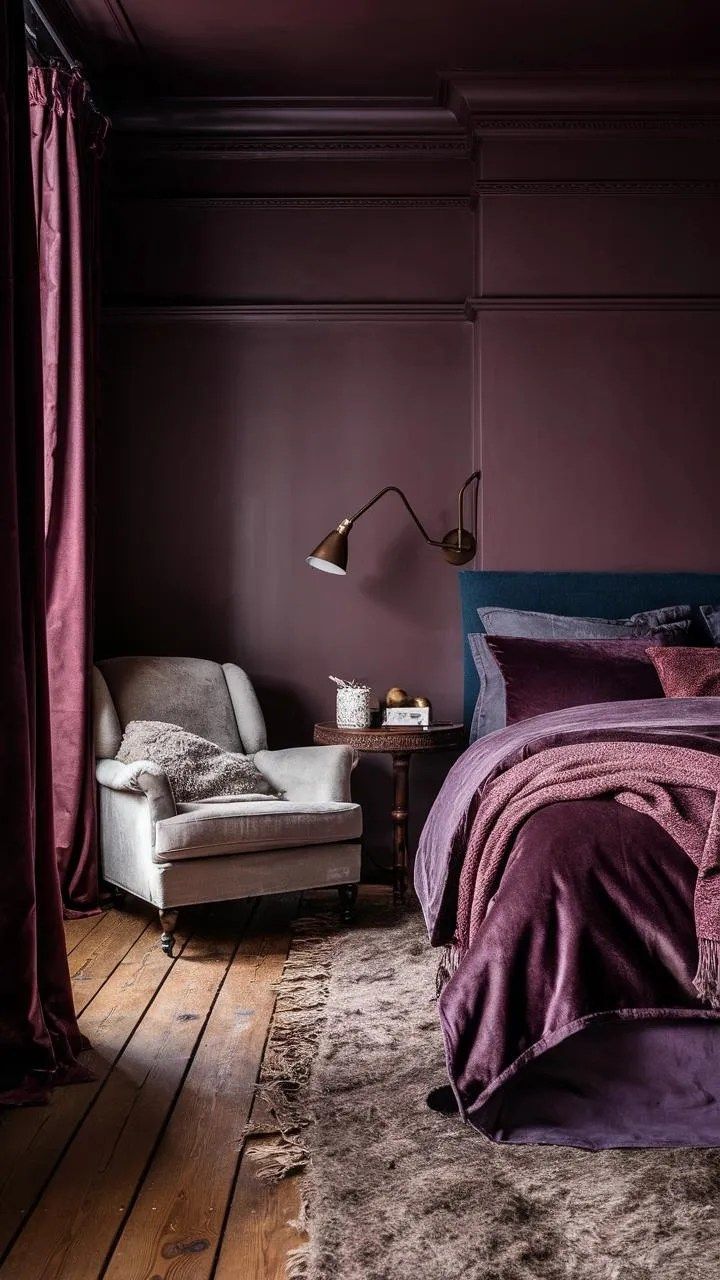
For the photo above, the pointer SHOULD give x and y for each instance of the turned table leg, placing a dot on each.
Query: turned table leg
(401, 782)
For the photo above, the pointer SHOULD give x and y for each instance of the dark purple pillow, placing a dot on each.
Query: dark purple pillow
(545, 675)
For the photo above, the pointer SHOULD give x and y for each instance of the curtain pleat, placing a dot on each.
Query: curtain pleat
(66, 136)
(39, 1036)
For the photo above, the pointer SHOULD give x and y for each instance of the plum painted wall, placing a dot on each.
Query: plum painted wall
(285, 333)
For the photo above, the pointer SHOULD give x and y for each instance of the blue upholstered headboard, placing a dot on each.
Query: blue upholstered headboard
(585, 595)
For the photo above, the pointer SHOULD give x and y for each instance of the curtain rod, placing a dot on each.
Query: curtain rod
(73, 63)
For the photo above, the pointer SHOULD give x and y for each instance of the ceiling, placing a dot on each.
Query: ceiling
(376, 47)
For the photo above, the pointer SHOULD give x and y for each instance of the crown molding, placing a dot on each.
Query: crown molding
(591, 103)
(297, 203)
(596, 186)
(640, 302)
(298, 127)
(469, 106)
(255, 116)
(253, 313)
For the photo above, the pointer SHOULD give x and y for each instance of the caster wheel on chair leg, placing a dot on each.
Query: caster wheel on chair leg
(348, 898)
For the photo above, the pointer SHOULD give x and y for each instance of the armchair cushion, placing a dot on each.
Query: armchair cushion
(205, 829)
(309, 773)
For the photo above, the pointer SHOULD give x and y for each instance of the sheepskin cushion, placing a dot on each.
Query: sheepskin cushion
(196, 768)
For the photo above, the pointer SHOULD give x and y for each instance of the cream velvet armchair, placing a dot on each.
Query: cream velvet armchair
(174, 855)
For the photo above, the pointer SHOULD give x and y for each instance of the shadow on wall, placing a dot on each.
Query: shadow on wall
(398, 569)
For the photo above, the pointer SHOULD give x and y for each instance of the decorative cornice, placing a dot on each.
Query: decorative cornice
(596, 186)
(644, 302)
(300, 127)
(607, 124)
(256, 115)
(299, 203)
(592, 103)
(253, 313)
(417, 146)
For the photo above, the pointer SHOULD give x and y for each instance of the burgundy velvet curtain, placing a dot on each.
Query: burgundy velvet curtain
(39, 1037)
(67, 135)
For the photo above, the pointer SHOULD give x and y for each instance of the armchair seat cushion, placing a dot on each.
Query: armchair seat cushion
(210, 828)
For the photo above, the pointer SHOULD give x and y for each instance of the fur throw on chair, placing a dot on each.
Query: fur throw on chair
(196, 768)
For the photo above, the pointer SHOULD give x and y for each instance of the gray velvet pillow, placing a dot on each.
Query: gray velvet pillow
(710, 614)
(196, 768)
(673, 622)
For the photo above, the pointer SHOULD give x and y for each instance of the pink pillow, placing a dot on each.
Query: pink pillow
(687, 673)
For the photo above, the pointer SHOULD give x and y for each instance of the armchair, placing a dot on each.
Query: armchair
(177, 854)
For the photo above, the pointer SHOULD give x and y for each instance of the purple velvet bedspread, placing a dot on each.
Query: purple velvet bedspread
(573, 1018)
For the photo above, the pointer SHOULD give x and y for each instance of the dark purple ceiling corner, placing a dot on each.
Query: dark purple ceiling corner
(378, 47)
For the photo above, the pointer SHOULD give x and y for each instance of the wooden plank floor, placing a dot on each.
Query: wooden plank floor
(142, 1174)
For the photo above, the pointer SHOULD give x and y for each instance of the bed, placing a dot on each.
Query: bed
(569, 874)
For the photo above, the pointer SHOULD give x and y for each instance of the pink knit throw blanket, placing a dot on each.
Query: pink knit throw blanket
(677, 786)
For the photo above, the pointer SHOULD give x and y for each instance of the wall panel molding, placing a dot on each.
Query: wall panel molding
(253, 313)
(300, 203)
(596, 187)
(658, 302)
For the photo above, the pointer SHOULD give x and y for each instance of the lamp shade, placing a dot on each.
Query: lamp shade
(331, 555)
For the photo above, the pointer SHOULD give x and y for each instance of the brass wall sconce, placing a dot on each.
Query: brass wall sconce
(458, 546)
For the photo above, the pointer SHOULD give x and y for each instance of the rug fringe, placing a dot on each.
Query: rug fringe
(297, 1260)
(279, 1158)
(291, 1049)
(297, 1263)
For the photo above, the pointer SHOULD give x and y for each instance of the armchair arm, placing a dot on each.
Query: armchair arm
(142, 777)
(309, 773)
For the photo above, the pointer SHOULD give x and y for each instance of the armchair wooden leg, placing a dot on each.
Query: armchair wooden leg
(168, 920)
(348, 898)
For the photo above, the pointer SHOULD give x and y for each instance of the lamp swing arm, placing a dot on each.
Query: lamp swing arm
(347, 524)
(349, 521)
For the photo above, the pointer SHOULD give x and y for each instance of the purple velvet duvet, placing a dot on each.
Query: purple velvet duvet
(573, 1018)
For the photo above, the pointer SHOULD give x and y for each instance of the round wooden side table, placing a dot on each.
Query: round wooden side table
(401, 744)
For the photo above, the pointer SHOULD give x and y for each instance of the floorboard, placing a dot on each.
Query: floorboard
(144, 1173)
(72, 1229)
(102, 949)
(76, 930)
(263, 1224)
(181, 1206)
(33, 1140)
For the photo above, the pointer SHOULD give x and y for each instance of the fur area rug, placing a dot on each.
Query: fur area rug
(397, 1192)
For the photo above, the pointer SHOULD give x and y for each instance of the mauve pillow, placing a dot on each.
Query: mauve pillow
(545, 675)
(674, 621)
(687, 673)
